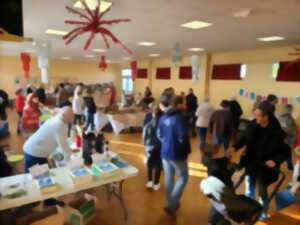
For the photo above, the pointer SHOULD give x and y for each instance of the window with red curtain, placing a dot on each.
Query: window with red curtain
(142, 74)
(163, 73)
(227, 72)
(288, 71)
(185, 72)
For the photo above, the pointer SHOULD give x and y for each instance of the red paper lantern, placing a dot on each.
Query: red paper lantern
(25, 58)
(102, 63)
(133, 66)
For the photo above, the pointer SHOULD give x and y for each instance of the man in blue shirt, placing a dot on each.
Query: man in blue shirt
(175, 147)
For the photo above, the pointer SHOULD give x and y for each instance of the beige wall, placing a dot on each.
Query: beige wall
(259, 76)
(59, 70)
(157, 86)
(258, 79)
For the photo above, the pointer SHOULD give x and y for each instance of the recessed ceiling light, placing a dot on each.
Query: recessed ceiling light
(196, 49)
(56, 32)
(29, 50)
(99, 50)
(127, 58)
(90, 56)
(196, 24)
(271, 38)
(146, 43)
(243, 13)
(66, 58)
(154, 55)
(92, 4)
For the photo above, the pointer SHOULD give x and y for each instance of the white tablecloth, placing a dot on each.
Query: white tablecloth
(62, 177)
(122, 121)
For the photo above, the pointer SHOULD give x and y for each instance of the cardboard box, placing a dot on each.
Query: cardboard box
(80, 211)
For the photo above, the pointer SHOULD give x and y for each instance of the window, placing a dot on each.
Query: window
(127, 83)
(275, 68)
(243, 71)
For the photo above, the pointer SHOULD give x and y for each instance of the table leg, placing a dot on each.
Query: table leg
(118, 193)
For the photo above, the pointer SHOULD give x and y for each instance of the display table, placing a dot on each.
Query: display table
(122, 121)
(62, 177)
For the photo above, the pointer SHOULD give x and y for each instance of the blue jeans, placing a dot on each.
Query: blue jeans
(90, 121)
(221, 140)
(250, 182)
(31, 161)
(284, 199)
(174, 189)
(202, 135)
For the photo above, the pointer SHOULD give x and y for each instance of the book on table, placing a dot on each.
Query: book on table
(104, 168)
(46, 184)
(42, 176)
(119, 162)
(81, 175)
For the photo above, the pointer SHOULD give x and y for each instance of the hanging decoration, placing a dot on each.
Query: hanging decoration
(93, 23)
(102, 63)
(25, 58)
(43, 65)
(176, 54)
(43, 49)
(256, 97)
(133, 66)
(195, 67)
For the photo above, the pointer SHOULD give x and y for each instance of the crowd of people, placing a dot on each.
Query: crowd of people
(269, 139)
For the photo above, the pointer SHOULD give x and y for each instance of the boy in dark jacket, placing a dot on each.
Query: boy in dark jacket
(191, 107)
(175, 148)
(152, 147)
(90, 110)
(265, 151)
(221, 126)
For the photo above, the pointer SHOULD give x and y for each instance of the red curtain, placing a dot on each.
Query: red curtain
(288, 71)
(142, 73)
(163, 73)
(227, 72)
(185, 72)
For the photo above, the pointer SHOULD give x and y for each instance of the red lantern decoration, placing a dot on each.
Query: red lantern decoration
(133, 66)
(25, 58)
(102, 63)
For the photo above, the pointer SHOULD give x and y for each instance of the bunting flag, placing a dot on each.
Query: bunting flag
(242, 91)
(255, 97)
(252, 96)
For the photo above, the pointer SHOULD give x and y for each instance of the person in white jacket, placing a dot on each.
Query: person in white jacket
(203, 114)
(78, 106)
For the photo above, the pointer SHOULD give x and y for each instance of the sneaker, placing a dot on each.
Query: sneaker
(149, 184)
(156, 187)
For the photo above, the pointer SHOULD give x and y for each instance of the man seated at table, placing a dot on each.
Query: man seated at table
(50, 137)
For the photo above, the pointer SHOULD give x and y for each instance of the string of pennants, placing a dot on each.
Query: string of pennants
(254, 97)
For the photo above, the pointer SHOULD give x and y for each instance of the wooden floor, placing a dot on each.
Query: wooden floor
(144, 207)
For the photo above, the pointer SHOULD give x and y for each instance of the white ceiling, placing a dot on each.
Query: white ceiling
(160, 20)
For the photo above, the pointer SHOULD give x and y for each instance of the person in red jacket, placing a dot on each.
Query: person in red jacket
(20, 102)
(31, 113)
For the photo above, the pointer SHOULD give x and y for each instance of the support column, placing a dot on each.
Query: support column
(207, 75)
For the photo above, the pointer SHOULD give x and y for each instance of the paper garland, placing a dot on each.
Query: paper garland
(254, 97)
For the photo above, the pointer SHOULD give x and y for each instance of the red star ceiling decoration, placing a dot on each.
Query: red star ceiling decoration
(92, 22)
